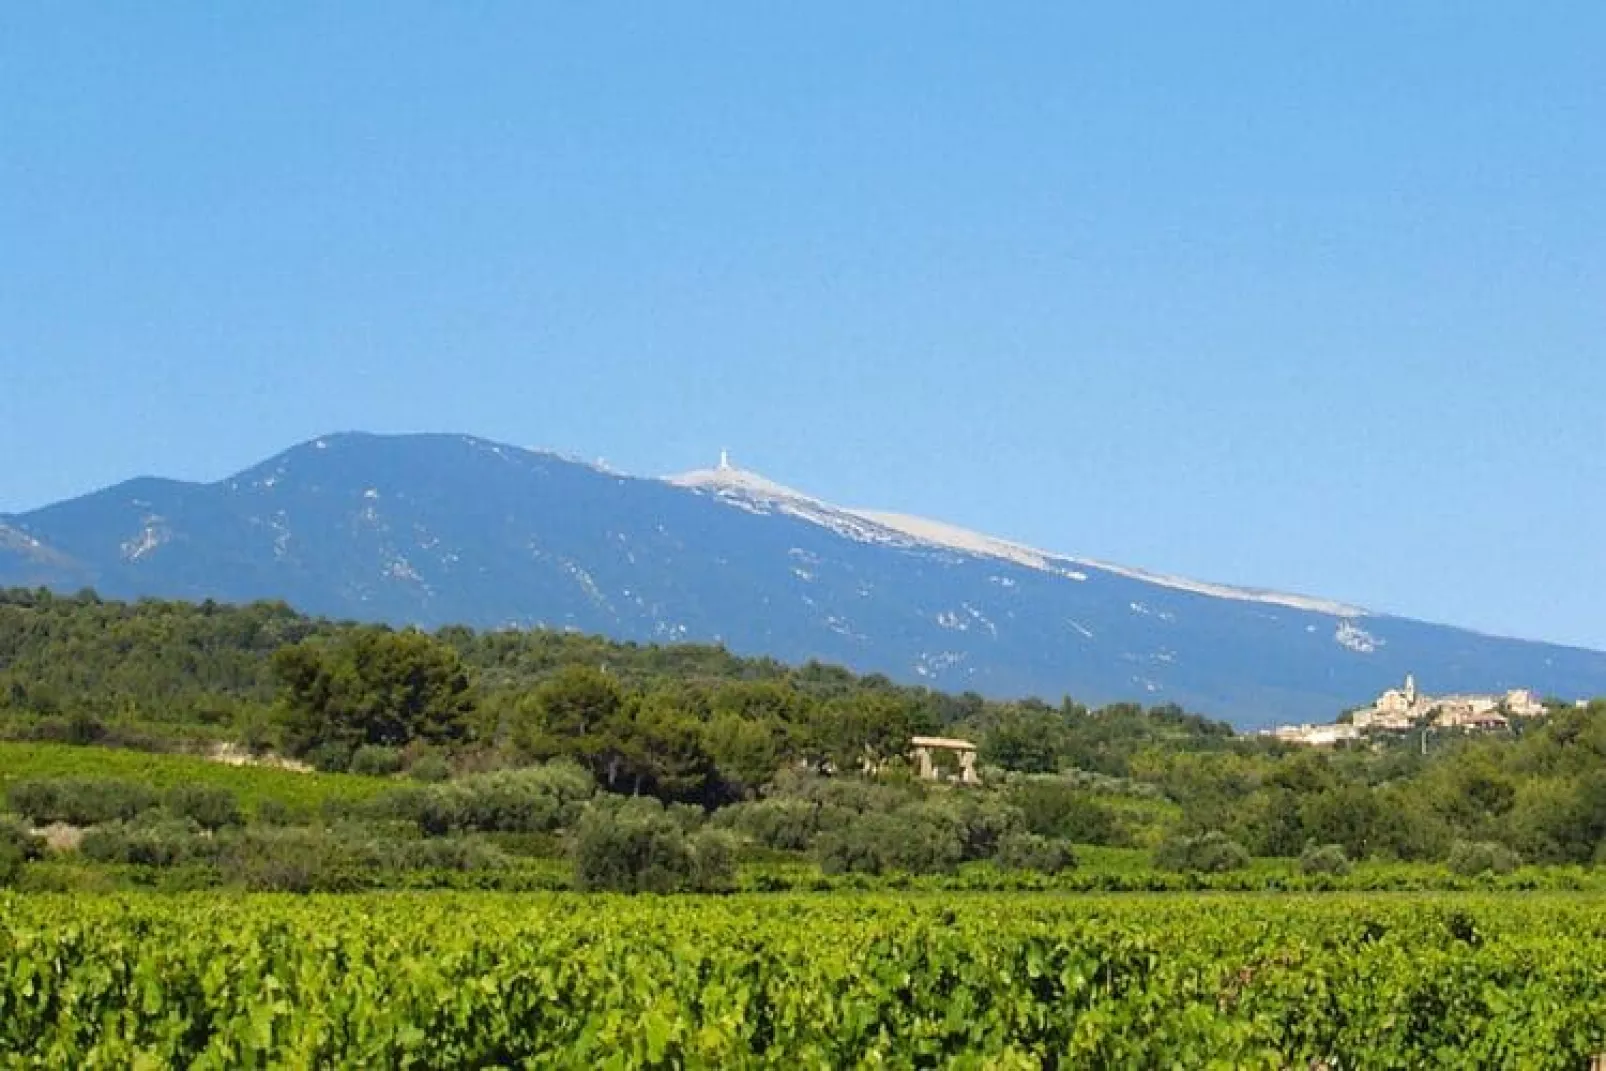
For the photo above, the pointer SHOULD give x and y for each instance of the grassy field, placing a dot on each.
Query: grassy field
(302, 792)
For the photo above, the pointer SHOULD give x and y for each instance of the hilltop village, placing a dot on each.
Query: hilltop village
(1400, 710)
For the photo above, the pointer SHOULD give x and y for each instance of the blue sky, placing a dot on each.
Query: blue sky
(1301, 296)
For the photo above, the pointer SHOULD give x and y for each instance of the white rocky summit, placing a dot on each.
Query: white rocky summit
(751, 491)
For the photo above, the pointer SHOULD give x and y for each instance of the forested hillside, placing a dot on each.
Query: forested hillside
(83, 667)
(541, 733)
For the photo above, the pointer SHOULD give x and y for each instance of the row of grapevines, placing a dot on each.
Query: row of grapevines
(475, 980)
(251, 785)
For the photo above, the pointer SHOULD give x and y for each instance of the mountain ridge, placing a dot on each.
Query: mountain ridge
(730, 479)
(439, 529)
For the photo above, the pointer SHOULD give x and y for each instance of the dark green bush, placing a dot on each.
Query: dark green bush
(985, 823)
(713, 861)
(634, 845)
(11, 864)
(1028, 851)
(330, 758)
(208, 806)
(851, 794)
(920, 839)
(434, 853)
(80, 729)
(375, 760)
(275, 812)
(298, 860)
(781, 823)
(430, 768)
(1324, 859)
(537, 799)
(80, 801)
(166, 843)
(1469, 858)
(15, 835)
(1209, 853)
(1057, 807)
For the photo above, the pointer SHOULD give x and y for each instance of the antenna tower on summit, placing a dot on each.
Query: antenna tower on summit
(724, 461)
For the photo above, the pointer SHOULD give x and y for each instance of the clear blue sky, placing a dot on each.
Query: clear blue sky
(1303, 296)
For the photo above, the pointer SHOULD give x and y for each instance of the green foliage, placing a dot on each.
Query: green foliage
(900, 980)
(430, 769)
(700, 725)
(20, 840)
(329, 757)
(251, 786)
(92, 661)
(79, 801)
(1475, 857)
(1209, 853)
(1054, 807)
(1028, 851)
(208, 806)
(163, 843)
(918, 839)
(781, 823)
(372, 686)
(634, 845)
(1324, 859)
(291, 859)
(376, 760)
(538, 799)
(1028, 740)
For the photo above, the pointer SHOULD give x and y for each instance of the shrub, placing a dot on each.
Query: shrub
(259, 733)
(781, 824)
(1210, 853)
(79, 801)
(17, 837)
(330, 758)
(290, 860)
(1056, 807)
(11, 864)
(275, 812)
(920, 839)
(537, 799)
(170, 842)
(433, 853)
(985, 824)
(79, 728)
(1324, 859)
(208, 806)
(849, 794)
(1482, 857)
(634, 845)
(713, 859)
(430, 769)
(375, 760)
(1028, 851)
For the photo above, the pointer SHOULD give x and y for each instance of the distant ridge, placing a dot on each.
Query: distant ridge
(728, 480)
(440, 529)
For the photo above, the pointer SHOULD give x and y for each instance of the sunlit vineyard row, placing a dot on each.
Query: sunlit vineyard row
(788, 981)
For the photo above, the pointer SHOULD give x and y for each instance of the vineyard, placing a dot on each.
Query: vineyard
(300, 792)
(790, 981)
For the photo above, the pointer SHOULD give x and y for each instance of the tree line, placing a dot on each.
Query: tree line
(701, 725)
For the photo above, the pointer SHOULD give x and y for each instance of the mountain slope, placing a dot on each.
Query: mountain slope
(438, 529)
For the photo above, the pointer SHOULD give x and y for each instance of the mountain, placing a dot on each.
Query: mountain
(441, 529)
